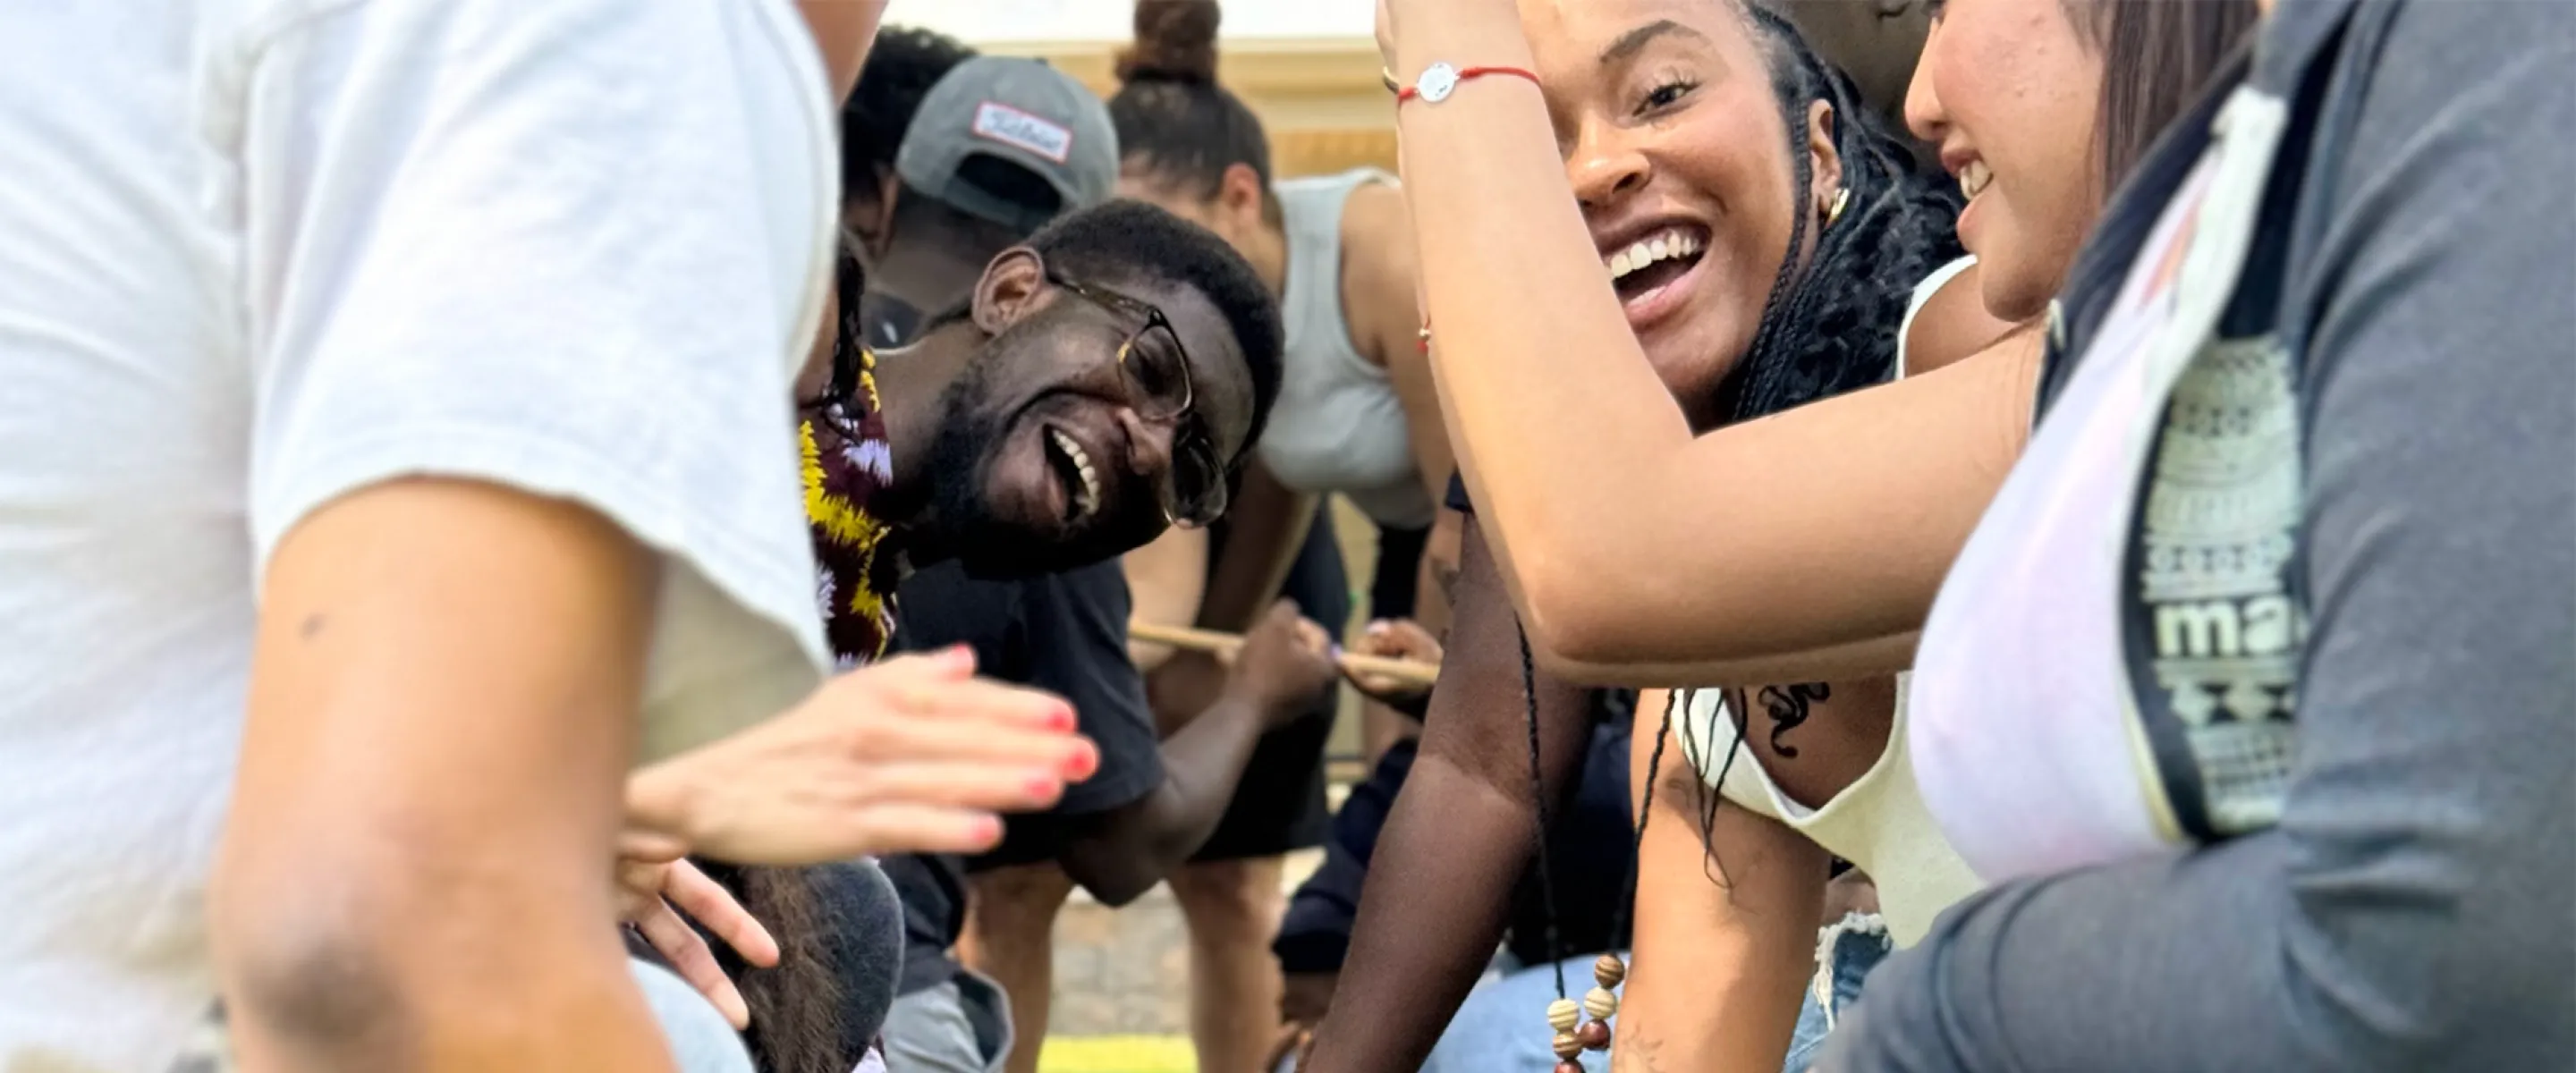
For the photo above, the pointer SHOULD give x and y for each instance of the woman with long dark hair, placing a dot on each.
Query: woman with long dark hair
(1772, 233)
(1825, 770)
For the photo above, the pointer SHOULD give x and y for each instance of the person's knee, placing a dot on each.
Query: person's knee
(1233, 896)
(1021, 898)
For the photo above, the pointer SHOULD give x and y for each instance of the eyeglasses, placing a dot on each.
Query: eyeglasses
(1155, 369)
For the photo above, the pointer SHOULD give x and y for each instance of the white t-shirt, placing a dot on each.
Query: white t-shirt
(256, 254)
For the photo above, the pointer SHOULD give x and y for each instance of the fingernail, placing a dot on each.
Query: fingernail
(959, 656)
(988, 829)
(1060, 719)
(1080, 765)
(1378, 626)
(1041, 787)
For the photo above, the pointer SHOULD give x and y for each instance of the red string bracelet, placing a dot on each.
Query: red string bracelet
(1439, 80)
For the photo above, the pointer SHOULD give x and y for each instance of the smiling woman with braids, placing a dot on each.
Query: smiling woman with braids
(1777, 230)
(1825, 768)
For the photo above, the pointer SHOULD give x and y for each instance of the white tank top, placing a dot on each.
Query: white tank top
(1338, 426)
(1878, 822)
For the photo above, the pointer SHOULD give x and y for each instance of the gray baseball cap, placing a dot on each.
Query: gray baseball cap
(1020, 111)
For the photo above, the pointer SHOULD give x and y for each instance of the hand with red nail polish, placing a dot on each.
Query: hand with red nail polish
(913, 755)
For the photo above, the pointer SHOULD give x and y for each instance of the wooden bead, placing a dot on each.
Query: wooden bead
(1600, 1003)
(1567, 1047)
(1570, 1067)
(1563, 1015)
(1609, 970)
(1594, 1035)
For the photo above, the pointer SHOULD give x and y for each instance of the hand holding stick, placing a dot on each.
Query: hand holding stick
(1224, 646)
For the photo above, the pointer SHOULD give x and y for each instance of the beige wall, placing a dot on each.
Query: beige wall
(1321, 99)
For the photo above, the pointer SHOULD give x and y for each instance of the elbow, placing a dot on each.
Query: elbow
(1575, 631)
(316, 967)
(355, 958)
(1119, 886)
(2410, 964)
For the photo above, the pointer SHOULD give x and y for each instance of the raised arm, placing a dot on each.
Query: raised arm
(1461, 835)
(1725, 928)
(1266, 526)
(416, 638)
(1865, 498)
(1166, 580)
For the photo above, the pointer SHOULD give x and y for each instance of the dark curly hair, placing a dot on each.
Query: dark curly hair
(1132, 242)
(1830, 324)
(1173, 118)
(902, 66)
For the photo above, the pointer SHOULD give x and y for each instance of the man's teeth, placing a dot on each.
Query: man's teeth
(1089, 499)
(1974, 177)
(1663, 245)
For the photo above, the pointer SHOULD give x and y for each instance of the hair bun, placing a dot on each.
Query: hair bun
(1175, 42)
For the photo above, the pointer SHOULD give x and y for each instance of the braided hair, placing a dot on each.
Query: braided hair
(1835, 326)
(1830, 324)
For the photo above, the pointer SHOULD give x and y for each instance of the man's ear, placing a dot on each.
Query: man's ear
(1014, 286)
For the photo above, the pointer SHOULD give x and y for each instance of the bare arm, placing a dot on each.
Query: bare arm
(1267, 524)
(1388, 292)
(1866, 498)
(844, 30)
(1121, 854)
(415, 638)
(1461, 833)
(1380, 289)
(1167, 579)
(1725, 930)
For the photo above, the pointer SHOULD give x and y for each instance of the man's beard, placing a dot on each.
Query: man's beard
(960, 523)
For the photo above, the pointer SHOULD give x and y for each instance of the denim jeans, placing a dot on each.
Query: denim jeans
(1502, 1027)
(1845, 952)
(962, 1026)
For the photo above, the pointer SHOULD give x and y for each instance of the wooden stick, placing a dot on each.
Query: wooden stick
(1225, 645)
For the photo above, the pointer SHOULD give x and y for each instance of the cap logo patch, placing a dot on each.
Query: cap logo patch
(1020, 130)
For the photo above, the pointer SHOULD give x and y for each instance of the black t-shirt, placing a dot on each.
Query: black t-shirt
(1067, 634)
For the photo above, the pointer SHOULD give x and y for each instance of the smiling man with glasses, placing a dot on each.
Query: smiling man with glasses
(1027, 407)
(1099, 384)
(1043, 424)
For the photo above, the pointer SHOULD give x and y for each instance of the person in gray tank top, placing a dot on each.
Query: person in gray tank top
(1358, 416)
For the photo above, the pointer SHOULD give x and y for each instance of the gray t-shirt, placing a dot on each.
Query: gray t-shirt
(2409, 911)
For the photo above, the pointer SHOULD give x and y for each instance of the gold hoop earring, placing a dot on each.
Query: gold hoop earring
(1834, 212)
